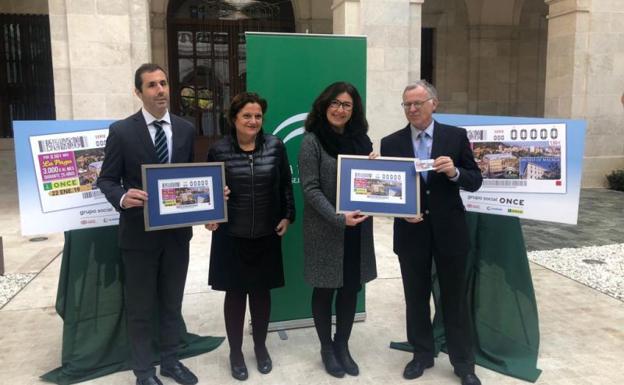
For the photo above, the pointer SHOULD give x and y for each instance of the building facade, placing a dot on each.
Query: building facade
(539, 58)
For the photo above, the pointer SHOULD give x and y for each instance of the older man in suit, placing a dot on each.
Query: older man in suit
(439, 235)
(156, 262)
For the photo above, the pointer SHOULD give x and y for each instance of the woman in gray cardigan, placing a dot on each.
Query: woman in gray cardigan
(338, 248)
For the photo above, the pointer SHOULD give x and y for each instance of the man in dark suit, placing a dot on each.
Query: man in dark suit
(155, 262)
(439, 234)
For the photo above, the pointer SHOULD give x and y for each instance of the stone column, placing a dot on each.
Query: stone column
(492, 78)
(346, 17)
(96, 46)
(158, 32)
(312, 16)
(584, 78)
(415, 36)
(392, 28)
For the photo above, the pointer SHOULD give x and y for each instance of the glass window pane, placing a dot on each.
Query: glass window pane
(207, 96)
(221, 44)
(187, 87)
(202, 44)
(185, 43)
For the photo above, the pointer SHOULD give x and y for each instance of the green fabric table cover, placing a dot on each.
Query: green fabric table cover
(90, 302)
(500, 294)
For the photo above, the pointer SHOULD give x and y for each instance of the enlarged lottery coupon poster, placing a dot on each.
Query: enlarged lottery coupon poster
(67, 166)
(531, 167)
(58, 163)
(377, 186)
(176, 196)
(520, 158)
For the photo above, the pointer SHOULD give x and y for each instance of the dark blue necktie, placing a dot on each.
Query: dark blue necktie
(160, 141)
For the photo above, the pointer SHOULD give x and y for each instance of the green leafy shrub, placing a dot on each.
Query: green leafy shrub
(616, 180)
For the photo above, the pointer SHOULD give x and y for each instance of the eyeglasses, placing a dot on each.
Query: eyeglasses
(408, 105)
(336, 104)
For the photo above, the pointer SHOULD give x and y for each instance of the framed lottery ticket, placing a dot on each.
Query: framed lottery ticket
(183, 194)
(382, 186)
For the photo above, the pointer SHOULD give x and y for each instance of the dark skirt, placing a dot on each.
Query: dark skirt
(243, 263)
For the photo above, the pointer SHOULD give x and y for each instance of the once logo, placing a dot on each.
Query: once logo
(512, 201)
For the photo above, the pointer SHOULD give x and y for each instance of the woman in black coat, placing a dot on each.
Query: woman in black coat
(246, 254)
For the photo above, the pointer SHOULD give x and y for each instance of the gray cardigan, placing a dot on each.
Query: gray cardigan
(323, 229)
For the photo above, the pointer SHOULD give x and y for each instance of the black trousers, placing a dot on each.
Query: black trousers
(416, 273)
(154, 285)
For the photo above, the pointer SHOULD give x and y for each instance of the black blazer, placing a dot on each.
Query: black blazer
(128, 146)
(441, 203)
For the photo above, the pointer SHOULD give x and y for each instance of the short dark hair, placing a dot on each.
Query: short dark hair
(317, 118)
(241, 100)
(146, 68)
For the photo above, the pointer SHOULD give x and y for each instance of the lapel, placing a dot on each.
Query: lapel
(175, 138)
(437, 145)
(407, 146)
(144, 136)
(437, 148)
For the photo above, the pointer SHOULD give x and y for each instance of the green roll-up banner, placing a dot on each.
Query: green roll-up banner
(290, 71)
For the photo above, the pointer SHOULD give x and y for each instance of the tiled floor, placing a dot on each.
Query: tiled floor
(582, 330)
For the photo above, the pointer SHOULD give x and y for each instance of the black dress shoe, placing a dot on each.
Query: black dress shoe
(415, 368)
(332, 366)
(153, 380)
(344, 358)
(179, 373)
(265, 365)
(239, 369)
(470, 379)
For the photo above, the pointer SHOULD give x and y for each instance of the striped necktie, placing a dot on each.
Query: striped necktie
(160, 141)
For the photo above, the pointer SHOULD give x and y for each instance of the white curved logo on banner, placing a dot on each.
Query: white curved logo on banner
(294, 133)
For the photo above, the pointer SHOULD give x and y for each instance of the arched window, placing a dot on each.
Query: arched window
(206, 44)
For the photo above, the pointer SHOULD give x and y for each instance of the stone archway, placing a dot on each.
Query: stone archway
(490, 55)
(494, 12)
(206, 54)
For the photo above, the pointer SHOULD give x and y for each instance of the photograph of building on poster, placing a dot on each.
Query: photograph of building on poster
(532, 160)
(512, 160)
(89, 164)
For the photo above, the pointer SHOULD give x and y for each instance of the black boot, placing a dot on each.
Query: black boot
(332, 366)
(341, 348)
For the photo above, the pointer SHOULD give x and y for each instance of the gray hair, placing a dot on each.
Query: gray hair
(433, 93)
